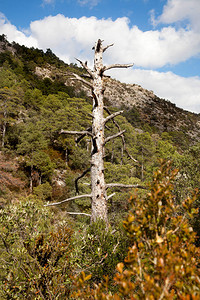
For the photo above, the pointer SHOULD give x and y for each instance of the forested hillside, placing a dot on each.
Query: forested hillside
(42, 248)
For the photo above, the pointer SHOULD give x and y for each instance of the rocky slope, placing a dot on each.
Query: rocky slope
(158, 113)
(142, 104)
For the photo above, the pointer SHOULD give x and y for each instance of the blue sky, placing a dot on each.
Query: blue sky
(162, 38)
(22, 13)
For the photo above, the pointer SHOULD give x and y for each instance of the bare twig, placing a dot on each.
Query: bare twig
(79, 177)
(122, 136)
(89, 129)
(130, 156)
(127, 186)
(113, 116)
(105, 48)
(140, 270)
(69, 199)
(110, 196)
(113, 136)
(177, 228)
(74, 213)
(85, 66)
(86, 76)
(165, 288)
(84, 132)
(115, 247)
(77, 77)
(116, 66)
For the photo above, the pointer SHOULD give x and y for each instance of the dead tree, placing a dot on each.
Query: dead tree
(98, 186)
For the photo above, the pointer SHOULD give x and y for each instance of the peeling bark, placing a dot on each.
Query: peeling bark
(98, 185)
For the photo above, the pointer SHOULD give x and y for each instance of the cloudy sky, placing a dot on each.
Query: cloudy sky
(161, 37)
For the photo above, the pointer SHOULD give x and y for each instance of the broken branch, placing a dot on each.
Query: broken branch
(79, 177)
(110, 196)
(89, 129)
(105, 48)
(121, 185)
(86, 76)
(165, 288)
(116, 66)
(122, 136)
(76, 132)
(77, 77)
(113, 116)
(113, 136)
(69, 199)
(74, 213)
(129, 155)
(85, 66)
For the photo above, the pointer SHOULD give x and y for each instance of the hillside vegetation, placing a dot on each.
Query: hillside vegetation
(43, 248)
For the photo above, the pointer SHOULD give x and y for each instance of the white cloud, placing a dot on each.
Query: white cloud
(179, 10)
(13, 34)
(72, 37)
(150, 49)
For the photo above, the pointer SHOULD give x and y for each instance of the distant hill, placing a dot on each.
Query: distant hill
(141, 105)
(39, 97)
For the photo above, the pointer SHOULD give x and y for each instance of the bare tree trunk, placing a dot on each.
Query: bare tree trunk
(142, 168)
(66, 156)
(31, 181)
(40, 178)
(4, 130)
(112, 154)
(3, 134)
(98, 186)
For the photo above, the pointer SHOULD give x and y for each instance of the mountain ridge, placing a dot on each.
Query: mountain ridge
(39, 98)
(160, 114)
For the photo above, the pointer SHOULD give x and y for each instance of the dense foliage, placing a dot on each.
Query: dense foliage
(39, 251)
(34, 253)
(162, 261)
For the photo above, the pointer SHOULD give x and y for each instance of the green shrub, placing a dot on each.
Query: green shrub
(34, 255)
(98, 250)
(43, 191)
(163, 261)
